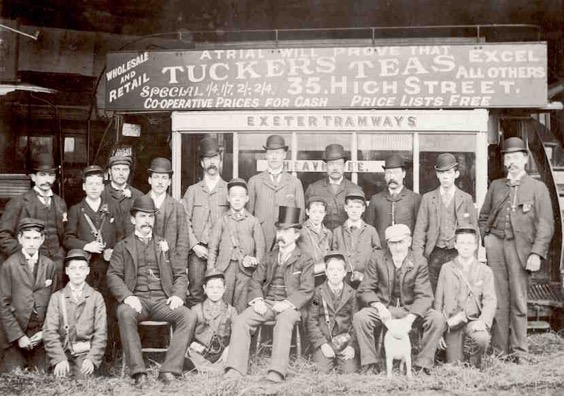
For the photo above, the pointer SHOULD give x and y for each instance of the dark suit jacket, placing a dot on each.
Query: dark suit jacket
(340, 316)
(532, 221)
(122, 204)
(336, 214)
(175, 228)
(377, 285)
(20, 293)
(358, 253)
(379, 211)
(122, 273)
(426, 231)
(26, 205)
(298, 277)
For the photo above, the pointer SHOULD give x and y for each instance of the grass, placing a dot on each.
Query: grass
(542, 373)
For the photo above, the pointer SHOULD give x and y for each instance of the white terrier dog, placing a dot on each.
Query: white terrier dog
(398, 347)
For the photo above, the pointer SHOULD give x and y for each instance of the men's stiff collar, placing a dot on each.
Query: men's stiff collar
(398, 191)
(116, 187)
(138, 235)
(335, 182)
(158, 200)
(519, 176)
(35, 257)
(43, 193)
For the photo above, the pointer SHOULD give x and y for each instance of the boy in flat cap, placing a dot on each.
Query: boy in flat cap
(517, 224)
(118, 192)
(75, 327)
(329, 319)
(279, 289)
(236, 246)
(204, 203)
(274, 188)
(315, 238)
(38, 203)
(209, 350)
(27, 280)
(334, 187)
(396, 204)
(355, 238)
(441, 211)
(466, 297)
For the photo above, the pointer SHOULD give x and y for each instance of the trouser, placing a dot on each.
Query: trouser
(196, 270)
(325, 365)
(15, 357)
(467, 341)
(437, 258)
(367, 321)
(75, 365)
(236, 286)
(246, 323)
(509, 329)
(182, 319)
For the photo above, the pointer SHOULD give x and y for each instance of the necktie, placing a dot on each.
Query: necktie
(45, 200)
(513, 183)
(145, 240)
(31, 262)
(336, 292)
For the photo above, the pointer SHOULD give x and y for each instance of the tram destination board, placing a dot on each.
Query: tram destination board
(440, 76)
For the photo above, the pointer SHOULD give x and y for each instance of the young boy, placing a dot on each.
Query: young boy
(27, 280)
(466, 297)
(236, 245)
(315, 238)
(329, 321)
(208, 351)
(356, 238)
(79, 348)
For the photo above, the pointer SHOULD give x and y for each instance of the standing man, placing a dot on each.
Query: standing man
(150, 284)
(516, 223)
(441, 212)
(118, 193)
(396, 204)
(38, 203)
(274, 188)
(204, 203)
(333, 187)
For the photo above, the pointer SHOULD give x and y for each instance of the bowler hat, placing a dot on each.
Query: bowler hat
(77, 254)
(161, 165)
(237, 182)
(120, 159)
(213, 273)
(316, 198)
(355, 193)
(43, 163)
(288, 217)
(445, 161)
(513, 145)
(334, 152)
(209, 147)
(92, 170)
(334, 254)
(397, 232)
(27, 223)
(394, 161)
(143, 203)
(275, 142)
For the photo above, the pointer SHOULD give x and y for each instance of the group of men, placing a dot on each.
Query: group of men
(151, 257)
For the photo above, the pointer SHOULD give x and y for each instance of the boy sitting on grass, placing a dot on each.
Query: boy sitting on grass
(75, 328)
(330, 315)
(466, 297)
(208, 351)
(27, 280)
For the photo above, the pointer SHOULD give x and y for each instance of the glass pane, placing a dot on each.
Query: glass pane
(373, 149)
(462, 146)
(251, 153)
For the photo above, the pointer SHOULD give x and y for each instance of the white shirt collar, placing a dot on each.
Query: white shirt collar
(28, 257)
(141, 236)
(331, 181)
(116, 187)
(80, 289)
(275, 172)
(399, 190)
(95, 205)
(357, 224)
(158, 200)
(519, 176)
(448, 193)
(211, 182)
(43, 193)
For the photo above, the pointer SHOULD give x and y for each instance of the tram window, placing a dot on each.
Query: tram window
(462, 146)
(311, 146)
(373, 149)
(251, 153)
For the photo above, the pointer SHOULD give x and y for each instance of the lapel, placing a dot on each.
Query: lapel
(41, 273)
(405, 268)
(525, 190)
(167, 206)
(284, 180)
(327, 295)
(436, 202)
(25, 274)
(345, 296)
(390, 268)
(130, 247)
(272, 261)
(266, 180)
(458, 201)
(289, 265)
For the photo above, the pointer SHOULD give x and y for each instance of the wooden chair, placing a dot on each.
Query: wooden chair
(268, 344)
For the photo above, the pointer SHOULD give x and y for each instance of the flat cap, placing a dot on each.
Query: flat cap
(213, 273)
(77, 254)
(28, 222)
(237, 182)
(397, 232)
(120, 159)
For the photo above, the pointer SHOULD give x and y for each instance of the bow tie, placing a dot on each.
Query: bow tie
(513, 183)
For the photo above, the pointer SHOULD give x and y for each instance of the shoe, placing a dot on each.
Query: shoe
(274, 377)
(418, 370)
(166, 377)
(369, 369)
(140, 379)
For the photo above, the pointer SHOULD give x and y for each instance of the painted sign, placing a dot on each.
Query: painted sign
(439, 76)
(321, 166)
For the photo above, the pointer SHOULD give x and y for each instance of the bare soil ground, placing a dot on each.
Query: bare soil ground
(542, 373)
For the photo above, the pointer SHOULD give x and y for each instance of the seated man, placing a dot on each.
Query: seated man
(149, 284)
(396, 286)
(466, 297)
(281, 286)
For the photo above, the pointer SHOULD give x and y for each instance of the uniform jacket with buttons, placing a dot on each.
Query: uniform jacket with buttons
(426, 232)
(203, 208)
(122, 204)
(21, 293)
(359, 251)
(532, 220)
(87, 322)
(453, 294)
(336, 214)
